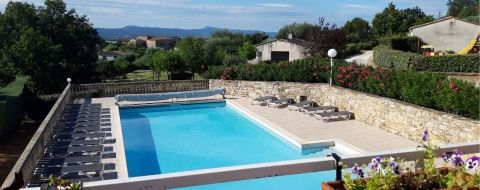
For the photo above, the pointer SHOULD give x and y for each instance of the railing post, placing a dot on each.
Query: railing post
(338, 168)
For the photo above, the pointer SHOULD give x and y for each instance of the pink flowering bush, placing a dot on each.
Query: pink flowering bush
(431, 90)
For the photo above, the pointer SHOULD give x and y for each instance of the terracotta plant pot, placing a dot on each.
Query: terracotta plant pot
(333, 185)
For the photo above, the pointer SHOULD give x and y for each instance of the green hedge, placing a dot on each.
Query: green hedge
(450, 63)
(402, 43)
(426, 89)
(12, 98)
(309, 70)
(384, 56)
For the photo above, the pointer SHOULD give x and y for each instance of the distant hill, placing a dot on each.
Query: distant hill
(130, 32)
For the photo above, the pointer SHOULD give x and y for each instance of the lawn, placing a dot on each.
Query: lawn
(13, 89)
(144, 75)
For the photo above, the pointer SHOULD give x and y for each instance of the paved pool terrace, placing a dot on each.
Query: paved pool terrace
(300, 129)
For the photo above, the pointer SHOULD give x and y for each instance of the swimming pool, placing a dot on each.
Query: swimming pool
(184, 137)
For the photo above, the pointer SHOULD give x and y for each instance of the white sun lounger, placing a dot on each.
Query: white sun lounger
(280, 102)
(262, 101)
(325, 117)
(298, 106)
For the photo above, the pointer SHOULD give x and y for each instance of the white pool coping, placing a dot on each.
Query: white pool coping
(335, 144)
(122, 170)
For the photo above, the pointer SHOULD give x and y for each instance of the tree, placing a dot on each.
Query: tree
(217, 47)
(256, 38)
(192, 53)
(324, 36)
(49, 44)
(168, 61)
(299, 31)
(120, 66)
(387, 22)
(392, 21)
(413, 16)
(463, 8)
(247, 51)
(358, 30)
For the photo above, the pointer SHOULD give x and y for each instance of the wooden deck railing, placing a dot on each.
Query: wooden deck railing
(111, 89)
(34, 150)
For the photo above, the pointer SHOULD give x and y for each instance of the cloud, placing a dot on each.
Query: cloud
(260, 9)
(358, 6)
(107, 10)
(276, 5)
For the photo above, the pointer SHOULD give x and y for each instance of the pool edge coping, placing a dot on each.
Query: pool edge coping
(122, 170)
(341, 146)
(335, 144)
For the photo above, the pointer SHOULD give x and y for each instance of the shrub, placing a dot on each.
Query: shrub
(214, 72)
(449, 63)
(459, 97)
(386, 57)
(402, 43)
(12, 101)
(426, 89)
(419, 88)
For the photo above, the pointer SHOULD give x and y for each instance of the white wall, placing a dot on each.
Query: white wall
(295, 51)
(450, 34)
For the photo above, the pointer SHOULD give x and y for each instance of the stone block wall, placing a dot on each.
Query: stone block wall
(404, 119)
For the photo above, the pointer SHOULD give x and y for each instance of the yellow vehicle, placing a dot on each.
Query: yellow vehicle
(472, 48)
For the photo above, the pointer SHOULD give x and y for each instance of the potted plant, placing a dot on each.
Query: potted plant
(60, 184)
(388, 174)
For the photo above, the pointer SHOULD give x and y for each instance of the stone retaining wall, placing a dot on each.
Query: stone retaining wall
(395, 116)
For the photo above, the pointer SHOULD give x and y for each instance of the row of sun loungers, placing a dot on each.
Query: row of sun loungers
(81, 140)
(324, 113)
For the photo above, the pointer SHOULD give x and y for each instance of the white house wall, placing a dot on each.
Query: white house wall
(451, 34)
(295, 51)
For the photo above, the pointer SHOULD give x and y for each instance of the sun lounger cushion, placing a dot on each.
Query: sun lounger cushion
(68, 160)
(332, 115)
(299, 105)
(280, 102)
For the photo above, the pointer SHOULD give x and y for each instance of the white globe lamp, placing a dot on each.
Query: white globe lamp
(69, 80)
(331, 53)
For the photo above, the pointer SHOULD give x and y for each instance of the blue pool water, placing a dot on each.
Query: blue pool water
(174, 138)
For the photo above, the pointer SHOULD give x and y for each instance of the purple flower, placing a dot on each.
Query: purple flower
(453, 157)
(447, 157)
(395, 167)
(377, 159)
(358, 170)
(473, 163)
(374, 166)
(425, 136)
(457, 159)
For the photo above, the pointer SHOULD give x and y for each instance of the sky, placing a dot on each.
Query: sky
(264, 15)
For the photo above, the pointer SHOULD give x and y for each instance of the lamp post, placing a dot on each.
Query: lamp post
(69, 80)
(331, 53)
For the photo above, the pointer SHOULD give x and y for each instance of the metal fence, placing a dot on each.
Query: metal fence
(272, 169)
